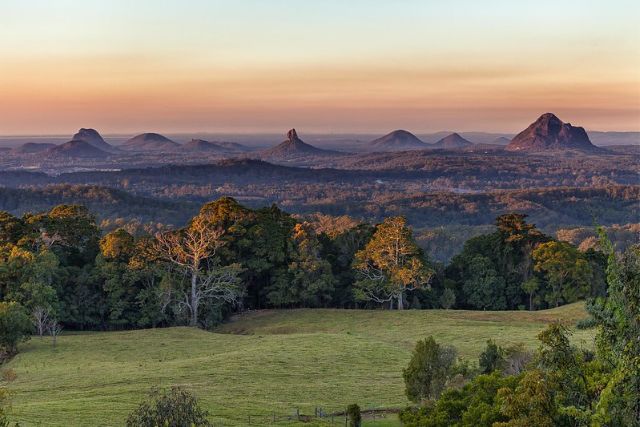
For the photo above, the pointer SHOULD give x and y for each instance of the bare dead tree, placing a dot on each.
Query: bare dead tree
(40, 319)
(192, 251)
(54, 328)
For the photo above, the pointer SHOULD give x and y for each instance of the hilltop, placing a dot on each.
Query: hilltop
(398, 140)
(150, 142)
(77, 148)
(549, 133)
(294, 147)
(92, 137)
(452, 141)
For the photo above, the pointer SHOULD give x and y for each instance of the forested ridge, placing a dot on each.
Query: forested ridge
(549, 208)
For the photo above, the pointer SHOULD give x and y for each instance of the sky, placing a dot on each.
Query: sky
(124, 66)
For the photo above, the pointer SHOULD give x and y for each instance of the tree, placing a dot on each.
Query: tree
(174, 408)
(310, 281)
(492, 358)
(448, 298)
(530, 287)
(484, 288)
(69, 230)
(355, 417)
(192, 251)
(617, 340)
(55, 328)
(390, 264)
(521, 238)
(15, 326)
(428, 370)
(118, 245)
(566, 269)
(531, 404)
(340, 251)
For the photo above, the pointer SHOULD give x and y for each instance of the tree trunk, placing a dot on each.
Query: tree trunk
(531, 301)
(400, 302)
(194, 299)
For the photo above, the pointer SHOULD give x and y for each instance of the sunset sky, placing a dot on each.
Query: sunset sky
(322, 66)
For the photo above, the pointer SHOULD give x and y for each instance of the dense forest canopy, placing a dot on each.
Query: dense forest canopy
(229, 257)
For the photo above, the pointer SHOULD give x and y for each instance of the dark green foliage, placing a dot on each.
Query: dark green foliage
(15, 326)
(492, 358)
(586, 323)
(430, 367)
(169, 408)
(618, 345)
(484, 287)
(473, 405)
(354, 416)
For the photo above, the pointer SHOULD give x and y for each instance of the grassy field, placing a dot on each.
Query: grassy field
(260, 363)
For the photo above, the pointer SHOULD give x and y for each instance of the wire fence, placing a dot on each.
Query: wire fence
(319, 417)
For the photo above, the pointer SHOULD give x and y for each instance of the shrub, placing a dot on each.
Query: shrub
(9, 375)
(354, 415)
(15, 326)
(430, 367)
(586, 323)
(448, 298)
(491, 358)
(174, 408)
(516, 359)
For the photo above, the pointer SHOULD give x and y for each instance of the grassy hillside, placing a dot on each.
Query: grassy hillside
(261, 362)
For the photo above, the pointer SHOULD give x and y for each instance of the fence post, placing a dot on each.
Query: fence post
(345, 417)
(249, 419)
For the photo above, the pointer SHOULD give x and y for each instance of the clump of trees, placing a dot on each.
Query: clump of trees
(519, 267)
(560, 385)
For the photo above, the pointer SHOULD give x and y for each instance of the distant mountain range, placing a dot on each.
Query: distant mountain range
(549, 133)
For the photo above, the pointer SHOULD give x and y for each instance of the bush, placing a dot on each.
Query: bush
(491, 358)
(15, 327)
(586, 323)
(448, 298)
(174, 408)
(9, 375)
(353, 413)
(430, 367)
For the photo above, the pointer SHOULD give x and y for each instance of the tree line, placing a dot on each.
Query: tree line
(59, 270)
